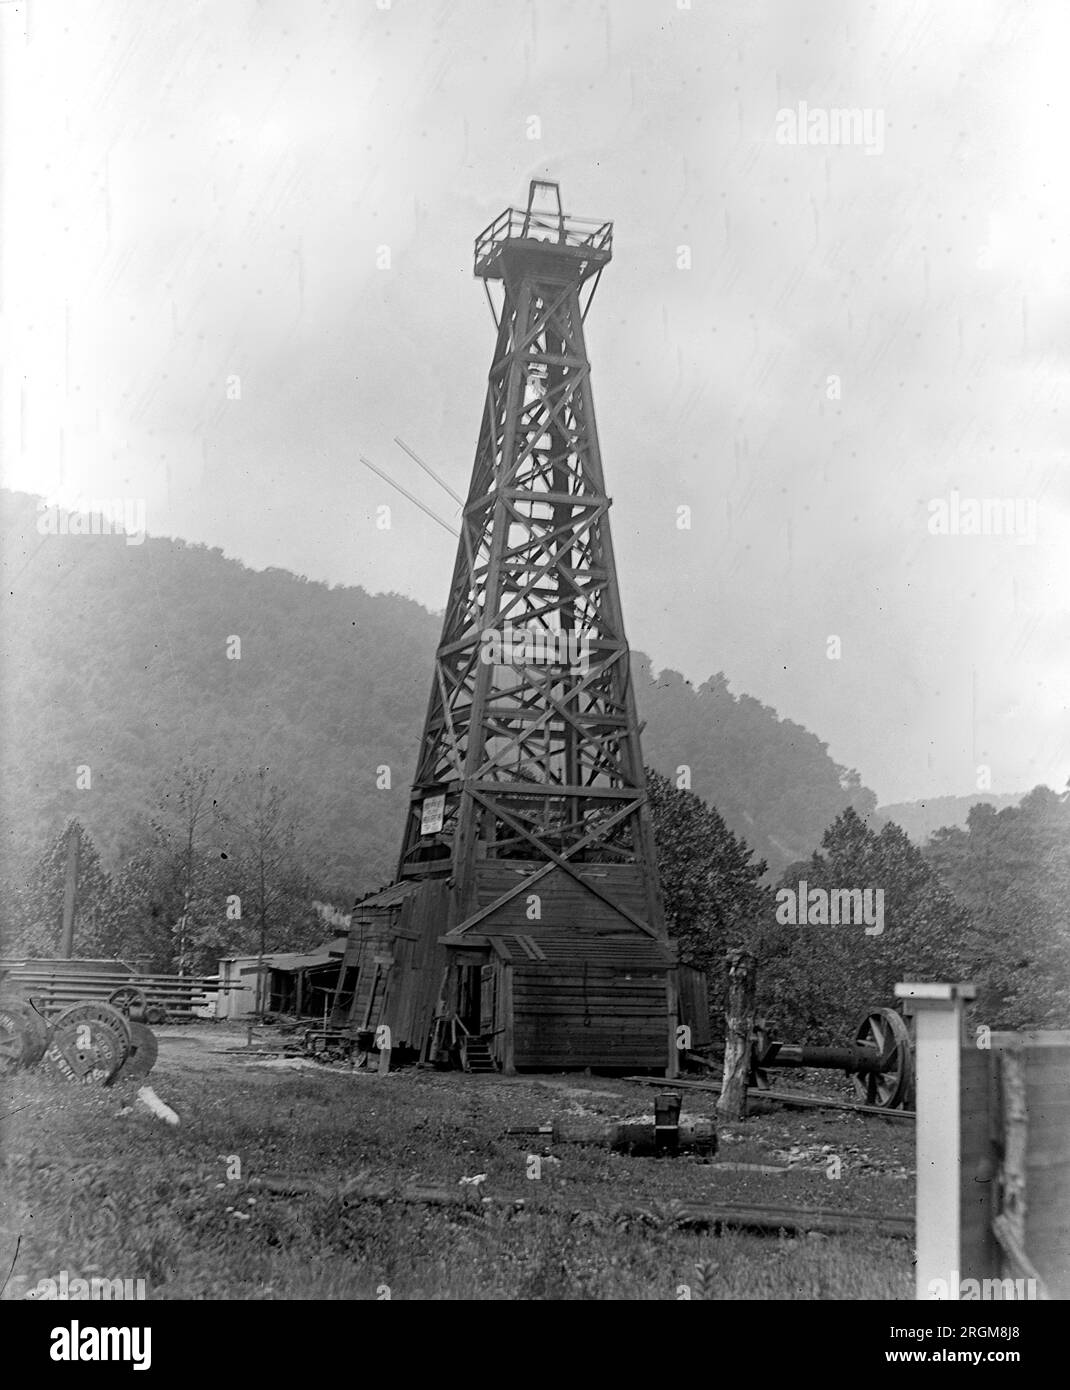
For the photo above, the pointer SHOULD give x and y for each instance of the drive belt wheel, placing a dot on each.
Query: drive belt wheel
(130, 1001)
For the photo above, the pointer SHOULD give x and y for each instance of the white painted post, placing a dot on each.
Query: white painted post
(938, 1009)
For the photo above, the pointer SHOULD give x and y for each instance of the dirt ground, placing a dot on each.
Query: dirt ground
(773, 1135)
(206, 1208)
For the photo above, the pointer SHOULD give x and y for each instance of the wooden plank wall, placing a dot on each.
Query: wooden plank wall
(602, 996)
(417, 980)
(1047, 1165)
(572, 1015)
(408, 978)
(562, 901)
(378, 941)
(1015, 1126)
(694, 1004)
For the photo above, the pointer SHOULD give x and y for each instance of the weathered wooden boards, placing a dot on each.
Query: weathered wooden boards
(585, 987)
(693, 1005)
(554, 992)
(1032, 1223)
(574, 986)
(1015, 1161)
(993, 1153)
(398, 964)
(562, 898)
(568, 1012)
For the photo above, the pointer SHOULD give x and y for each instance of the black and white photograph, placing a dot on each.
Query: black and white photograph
(534, 670)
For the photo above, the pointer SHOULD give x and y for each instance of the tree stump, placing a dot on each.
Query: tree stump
(739, 1025)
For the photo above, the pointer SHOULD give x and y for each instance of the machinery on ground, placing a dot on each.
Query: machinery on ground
(91, 1043)
(879, 1059)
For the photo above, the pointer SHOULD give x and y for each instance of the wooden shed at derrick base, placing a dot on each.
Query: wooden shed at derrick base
(575, 989)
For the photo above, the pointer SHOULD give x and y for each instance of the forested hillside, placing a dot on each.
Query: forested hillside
(225, 747)
(924, 817)
(122, 662)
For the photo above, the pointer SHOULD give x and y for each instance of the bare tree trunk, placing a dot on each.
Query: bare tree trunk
(183, 921)
(70, 892)
(262, 990)
(739, 1024)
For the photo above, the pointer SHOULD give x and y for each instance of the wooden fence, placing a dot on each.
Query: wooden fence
(993, 1154)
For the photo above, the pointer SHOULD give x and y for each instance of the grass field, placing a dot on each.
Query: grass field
(95, 1185)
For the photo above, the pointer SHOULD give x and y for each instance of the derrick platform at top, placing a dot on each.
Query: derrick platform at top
(546, 240)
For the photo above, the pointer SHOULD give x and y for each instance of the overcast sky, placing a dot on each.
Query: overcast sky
(808, 345)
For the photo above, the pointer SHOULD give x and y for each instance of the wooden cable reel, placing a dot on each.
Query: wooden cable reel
(144, 1050)
(89, 1044)
(23, 1034)
(12, 1040)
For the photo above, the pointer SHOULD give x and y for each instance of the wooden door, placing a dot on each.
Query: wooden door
(488, 997)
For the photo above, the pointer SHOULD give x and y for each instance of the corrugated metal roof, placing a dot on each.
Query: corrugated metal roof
(388, 897)
(335, 947)
(285, 960)
(330, 952)
(291, 961)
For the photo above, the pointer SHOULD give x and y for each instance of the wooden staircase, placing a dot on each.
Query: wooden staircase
(476, 1055)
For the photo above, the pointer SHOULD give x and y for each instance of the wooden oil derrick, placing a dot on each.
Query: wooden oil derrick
(535, 755)
(526, 927)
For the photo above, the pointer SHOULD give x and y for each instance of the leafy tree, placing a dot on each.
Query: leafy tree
(184, 828)
(1011, 870)
(711, 884)
(34, 924)
(149, 904)
(268, 869)
(816, 980)
(169, 885)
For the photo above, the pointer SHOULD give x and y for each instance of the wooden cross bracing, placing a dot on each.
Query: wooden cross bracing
(536, 757)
